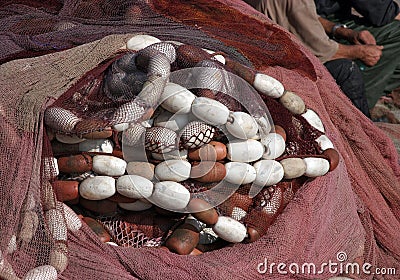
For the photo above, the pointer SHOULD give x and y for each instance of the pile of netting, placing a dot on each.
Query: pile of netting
(58, 63)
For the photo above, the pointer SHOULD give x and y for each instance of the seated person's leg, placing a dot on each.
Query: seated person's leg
(349, 77)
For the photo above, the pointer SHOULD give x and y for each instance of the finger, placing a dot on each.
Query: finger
(369, 40)
(372, 41)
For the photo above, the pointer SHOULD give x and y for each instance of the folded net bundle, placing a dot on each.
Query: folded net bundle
(351, 209)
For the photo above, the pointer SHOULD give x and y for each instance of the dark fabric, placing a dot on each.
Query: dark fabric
(375, 12)
(382, 78)
(329, 7)
(349, 77)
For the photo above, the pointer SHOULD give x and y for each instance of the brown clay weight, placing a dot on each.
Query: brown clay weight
(75, 164)
(98, 229)
(252, 235)
(208, 171)
(202, 211)
(247, 73)
(195, 252)
(213, 151)
(190, 56)
(66, 190)
(183, 240)
(333, 157)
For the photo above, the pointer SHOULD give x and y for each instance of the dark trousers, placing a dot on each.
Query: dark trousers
(350, 79)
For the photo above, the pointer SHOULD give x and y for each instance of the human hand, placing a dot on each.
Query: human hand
(370, 54)
(363, 37)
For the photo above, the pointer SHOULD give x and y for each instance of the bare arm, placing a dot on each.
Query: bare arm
(369, 54)
(327, 24)
(363, 37)
(364, 47)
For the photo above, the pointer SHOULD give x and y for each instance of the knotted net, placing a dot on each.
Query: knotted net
(353, 209)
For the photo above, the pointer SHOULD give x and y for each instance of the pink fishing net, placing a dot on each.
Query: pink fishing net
(353, 209)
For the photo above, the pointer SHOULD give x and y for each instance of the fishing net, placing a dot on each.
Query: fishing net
(62, 56)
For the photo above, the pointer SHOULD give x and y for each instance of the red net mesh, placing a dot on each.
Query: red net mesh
(353, 209)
